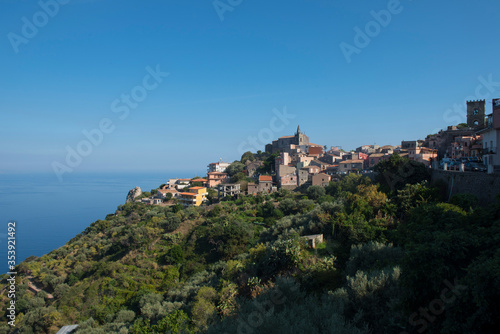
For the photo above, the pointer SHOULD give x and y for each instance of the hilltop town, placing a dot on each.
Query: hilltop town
(375, 240)
(290, 162)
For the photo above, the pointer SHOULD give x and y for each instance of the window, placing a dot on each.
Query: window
(476, 123)
(476, 111)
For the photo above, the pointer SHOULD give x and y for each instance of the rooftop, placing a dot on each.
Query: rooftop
(164, 191)
(67, 329)
(377, 155)
(320, 162)
(265, 178)
(352, 162)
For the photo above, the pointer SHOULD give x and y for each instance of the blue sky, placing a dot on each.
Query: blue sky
(228, 78)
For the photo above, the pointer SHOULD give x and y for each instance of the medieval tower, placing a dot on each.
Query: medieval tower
(476, 114)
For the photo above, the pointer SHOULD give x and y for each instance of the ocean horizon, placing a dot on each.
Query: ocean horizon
(49, 213)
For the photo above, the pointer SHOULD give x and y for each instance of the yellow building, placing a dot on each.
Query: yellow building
(194, 197)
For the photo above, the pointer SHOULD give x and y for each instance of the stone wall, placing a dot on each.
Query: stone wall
(484, 186)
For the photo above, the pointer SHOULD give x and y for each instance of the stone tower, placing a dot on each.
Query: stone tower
(476, 114)
(301, 138)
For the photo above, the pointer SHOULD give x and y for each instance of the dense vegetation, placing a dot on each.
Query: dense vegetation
(396, 258)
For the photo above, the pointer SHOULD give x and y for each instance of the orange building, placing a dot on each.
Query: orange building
(216, 178)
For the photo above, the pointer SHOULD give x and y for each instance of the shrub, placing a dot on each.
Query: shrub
(125, 316)
(465, 201)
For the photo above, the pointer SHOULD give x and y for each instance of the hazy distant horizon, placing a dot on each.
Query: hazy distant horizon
(49, 213)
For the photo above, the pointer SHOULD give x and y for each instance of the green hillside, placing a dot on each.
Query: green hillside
(395, 258)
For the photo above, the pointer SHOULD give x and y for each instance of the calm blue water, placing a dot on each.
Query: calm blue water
(49, 213)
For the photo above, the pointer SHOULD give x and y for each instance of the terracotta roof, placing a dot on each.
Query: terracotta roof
(184, 180)
(199, 180)
(164, 191)
(196, 188)
(351, 161)
(189, 194)
(287, 137)
(376, 155)
(265, 178)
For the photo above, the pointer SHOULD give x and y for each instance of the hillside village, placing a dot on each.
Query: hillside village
(293, 161)
(199, 255)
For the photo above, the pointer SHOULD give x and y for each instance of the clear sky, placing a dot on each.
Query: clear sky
(79, 65)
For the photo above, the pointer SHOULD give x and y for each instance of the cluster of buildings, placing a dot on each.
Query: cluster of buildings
(300, 162)
(477, 140)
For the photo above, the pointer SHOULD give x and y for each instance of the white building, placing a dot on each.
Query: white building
(491, 139)
(219, 167)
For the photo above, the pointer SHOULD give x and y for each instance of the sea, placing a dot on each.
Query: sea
(48, 213)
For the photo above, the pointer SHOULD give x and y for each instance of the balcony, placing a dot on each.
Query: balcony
(489, 150)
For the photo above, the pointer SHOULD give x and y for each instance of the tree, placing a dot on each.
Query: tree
(204, 309)
(168, 197)
(247, 156)
(413, 195)
(288, 206)
(348, 183)
(211, 195)
(125, 316)
(268, 164)
(235, 168)
(315, 192)
(465, 201)
(175, 255)
(395, 173)
(171, 222)
(238, 177)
